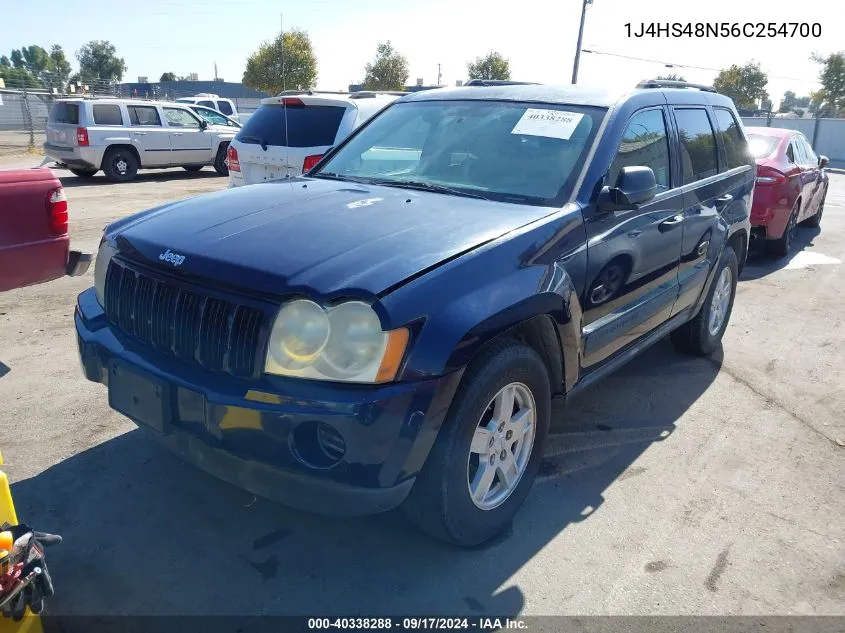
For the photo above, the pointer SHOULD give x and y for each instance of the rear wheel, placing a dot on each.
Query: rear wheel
(220, 165)
(780, 247)
(192, 167)
(120, 165)
(816, 219)
(83, 173)
(703, 334)
(488, 450)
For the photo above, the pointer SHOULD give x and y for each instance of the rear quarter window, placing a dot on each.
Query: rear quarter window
(736, 147)
(225, 107)
(63, 112)
(307, 126)
(107, 114)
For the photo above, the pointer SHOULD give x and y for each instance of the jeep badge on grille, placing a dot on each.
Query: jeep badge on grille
(173, 258)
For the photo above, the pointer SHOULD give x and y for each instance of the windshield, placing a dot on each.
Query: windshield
(761, 146)
(507, 151)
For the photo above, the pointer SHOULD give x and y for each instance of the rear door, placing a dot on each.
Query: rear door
(149, 136)
(275, 141)
(189, 143)
(62, 122)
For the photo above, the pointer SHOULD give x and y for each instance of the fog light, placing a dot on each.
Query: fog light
(317, 445)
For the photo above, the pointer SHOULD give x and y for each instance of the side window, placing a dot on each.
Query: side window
(736, 147)
(177, 117)
(143, 115)
(644, 143)
(790, 152)
(207, 104)
(107, 114)
(212, 117)
(798, 151)
(812, 158)
(698, 144)
(225, 107)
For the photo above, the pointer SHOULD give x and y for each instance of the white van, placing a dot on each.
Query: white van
(289, 134)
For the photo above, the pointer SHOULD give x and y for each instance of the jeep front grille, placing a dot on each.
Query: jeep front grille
(213, 333)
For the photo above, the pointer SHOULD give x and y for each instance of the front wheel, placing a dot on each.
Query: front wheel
(488, 450)
(703, 334)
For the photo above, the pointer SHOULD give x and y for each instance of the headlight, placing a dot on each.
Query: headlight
(342, 343)
(104, 255)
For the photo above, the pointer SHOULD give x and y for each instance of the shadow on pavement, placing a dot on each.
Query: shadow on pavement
(4, 369)
(69, 180)
(760, 263)
(146, 534)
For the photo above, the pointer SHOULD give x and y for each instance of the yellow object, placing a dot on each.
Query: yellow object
(6, 541)
(30, 623)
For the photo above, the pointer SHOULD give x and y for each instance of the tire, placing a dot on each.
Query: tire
(192, 168)
(696, 336)
(440, 502)
(120, 165)
(220, 165)
(780, 247)
(83, 173)
(816, 219)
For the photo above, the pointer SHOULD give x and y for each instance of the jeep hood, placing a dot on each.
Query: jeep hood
(317, 236)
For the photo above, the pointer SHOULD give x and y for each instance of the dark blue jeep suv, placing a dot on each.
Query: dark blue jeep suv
(390, 328)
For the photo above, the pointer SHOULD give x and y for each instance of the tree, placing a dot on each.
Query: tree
(766, 105)
(59, 68)
(288, 62)
(492, 66)
(389, 70)
(98, 60)
(17, 59)
(671, 77)
(831, 97)
(4, 61)
(167, 77)
(37, 60)
(746, 85)
(788, 101)
(18, 78)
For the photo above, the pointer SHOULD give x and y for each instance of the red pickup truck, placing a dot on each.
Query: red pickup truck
(34, 240)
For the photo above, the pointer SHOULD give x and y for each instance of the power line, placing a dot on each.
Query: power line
(675, 65)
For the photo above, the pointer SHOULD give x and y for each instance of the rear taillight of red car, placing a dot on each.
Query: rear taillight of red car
(769, 176)
(82, 136)
(57, 211)
(232, 159)
(310, 161)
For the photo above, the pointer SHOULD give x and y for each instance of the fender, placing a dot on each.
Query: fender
(456, 309)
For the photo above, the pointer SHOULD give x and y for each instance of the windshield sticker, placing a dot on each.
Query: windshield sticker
(549, 123)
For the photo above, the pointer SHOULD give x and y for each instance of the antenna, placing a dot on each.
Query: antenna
(284, 101)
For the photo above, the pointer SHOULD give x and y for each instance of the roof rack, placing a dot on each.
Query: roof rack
(292, 93)
(370, 94)
(499, 82)
(670, 83)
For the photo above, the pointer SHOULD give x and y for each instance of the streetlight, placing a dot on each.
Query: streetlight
(580, 38)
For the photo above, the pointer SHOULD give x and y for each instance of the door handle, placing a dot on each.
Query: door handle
(140, 133)
(177, 134)
(724, 199)
(671, 223)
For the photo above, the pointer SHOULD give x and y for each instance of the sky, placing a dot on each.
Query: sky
(537, 36)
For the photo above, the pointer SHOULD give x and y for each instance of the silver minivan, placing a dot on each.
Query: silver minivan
(121, 136)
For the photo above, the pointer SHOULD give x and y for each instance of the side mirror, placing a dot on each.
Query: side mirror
(203, 124)
(823, 161)
(634, 186)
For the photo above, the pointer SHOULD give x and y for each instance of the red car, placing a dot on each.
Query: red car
(34, 240)
(791, 185)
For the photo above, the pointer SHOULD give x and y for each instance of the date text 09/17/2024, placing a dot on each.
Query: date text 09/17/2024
(417, 623)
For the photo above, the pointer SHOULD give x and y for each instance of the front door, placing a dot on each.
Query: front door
(633, 256)
(811, 176)
(189, 143)
(149, 136)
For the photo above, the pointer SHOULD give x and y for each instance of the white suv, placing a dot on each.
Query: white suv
(289, 134)
(121, 136)
(215, 103)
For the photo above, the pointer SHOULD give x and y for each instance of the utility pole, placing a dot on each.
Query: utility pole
(438, 74)
(282, 27)
(580, 38)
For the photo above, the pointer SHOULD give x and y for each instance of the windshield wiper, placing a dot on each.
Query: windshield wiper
(254, 139)
(420, 185)
(330, 175)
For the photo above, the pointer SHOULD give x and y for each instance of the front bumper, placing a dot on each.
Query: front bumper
(258, 434)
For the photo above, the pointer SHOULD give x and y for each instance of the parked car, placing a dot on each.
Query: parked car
(791, 185)
(215, 102)
(389, 329)
(34, 240)
(121, 136)
(289, 134)
(213, 117)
